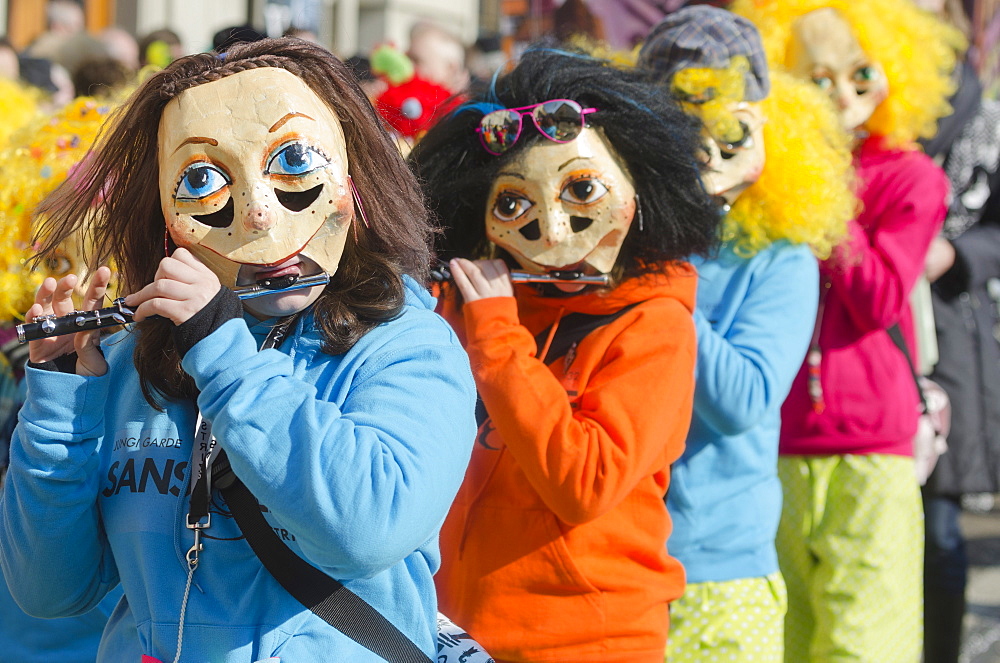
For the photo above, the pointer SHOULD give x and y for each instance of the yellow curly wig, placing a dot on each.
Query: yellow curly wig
(916, 50)
(37, 158)
(805, 194)
(596, 48)
(18, 106)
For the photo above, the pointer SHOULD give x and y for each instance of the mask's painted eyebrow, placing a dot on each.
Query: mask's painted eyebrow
(506, 174)
(277, 125)
(195, 140)
(569, 162)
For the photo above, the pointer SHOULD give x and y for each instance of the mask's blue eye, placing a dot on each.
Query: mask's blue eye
(296, 159)
(200, 180)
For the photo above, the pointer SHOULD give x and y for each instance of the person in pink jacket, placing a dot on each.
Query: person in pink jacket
(850, 542)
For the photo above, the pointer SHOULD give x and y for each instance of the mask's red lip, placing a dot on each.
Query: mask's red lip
(575, 267)
(290, 267)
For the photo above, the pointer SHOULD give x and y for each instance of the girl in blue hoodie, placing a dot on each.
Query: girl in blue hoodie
(782, 177)
(352, 427)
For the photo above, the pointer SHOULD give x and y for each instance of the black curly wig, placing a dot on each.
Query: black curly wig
(657, 142)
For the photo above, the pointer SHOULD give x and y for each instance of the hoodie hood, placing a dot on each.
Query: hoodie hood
(677, 281)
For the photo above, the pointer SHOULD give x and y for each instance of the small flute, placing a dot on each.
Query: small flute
(442, 273)
(46, 326)
(559, 277)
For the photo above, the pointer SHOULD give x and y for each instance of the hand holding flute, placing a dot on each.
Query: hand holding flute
(121, 310)
(55, 298)
(181, 288)
(480, 279)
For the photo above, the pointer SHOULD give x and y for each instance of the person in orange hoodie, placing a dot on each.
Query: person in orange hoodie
(588, 176)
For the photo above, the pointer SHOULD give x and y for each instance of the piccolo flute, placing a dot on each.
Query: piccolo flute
(443, 273)
(46, 326)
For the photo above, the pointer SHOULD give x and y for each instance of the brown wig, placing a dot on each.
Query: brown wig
(116, 190)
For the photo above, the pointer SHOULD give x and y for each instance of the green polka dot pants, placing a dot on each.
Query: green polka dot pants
(728, 622)
(850, 547)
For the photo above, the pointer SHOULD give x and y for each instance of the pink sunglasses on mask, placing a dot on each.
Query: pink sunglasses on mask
(559, 120)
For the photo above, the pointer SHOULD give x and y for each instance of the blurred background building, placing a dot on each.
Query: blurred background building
(344, 26)
(348, 27)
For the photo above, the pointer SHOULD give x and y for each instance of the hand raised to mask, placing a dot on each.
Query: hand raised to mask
(481, 279)
(56, 298)
(183, 285)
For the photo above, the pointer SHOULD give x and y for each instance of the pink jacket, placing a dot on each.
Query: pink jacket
(871, 403)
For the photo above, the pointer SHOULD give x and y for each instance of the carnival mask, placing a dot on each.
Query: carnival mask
(253, 175)
(825, 50)
(562, 206)
(732, 165)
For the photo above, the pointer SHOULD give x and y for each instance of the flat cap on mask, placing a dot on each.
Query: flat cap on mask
(706, 37)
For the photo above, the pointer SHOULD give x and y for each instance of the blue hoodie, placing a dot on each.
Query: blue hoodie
(355, 459)
(754, 320)
(26, 639)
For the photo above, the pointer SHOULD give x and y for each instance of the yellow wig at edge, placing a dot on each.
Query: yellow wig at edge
(805, 194)
(37, 158)
(915, 49)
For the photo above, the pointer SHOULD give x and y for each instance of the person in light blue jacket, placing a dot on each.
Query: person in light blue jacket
(346, 409)
(782, 178)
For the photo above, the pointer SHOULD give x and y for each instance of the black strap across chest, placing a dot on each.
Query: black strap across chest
(572, 329)
(323, 595)
(326, 597)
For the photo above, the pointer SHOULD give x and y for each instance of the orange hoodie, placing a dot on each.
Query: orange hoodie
(555, 548)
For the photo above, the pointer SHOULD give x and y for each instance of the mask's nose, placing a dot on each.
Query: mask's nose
(713, 165)
(555, 226)
(259, 216)
(844, 94)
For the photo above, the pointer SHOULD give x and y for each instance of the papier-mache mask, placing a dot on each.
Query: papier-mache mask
(713, 63)
(886, 63)
(734, 141)
(825, 50)
(254, 171)
(562, 205)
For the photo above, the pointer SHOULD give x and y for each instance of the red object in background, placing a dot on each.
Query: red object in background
(412, 107)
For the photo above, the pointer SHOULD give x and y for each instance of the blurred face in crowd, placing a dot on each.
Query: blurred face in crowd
(439, 58)
(562, 206)
(825, 50)
(254, 181)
